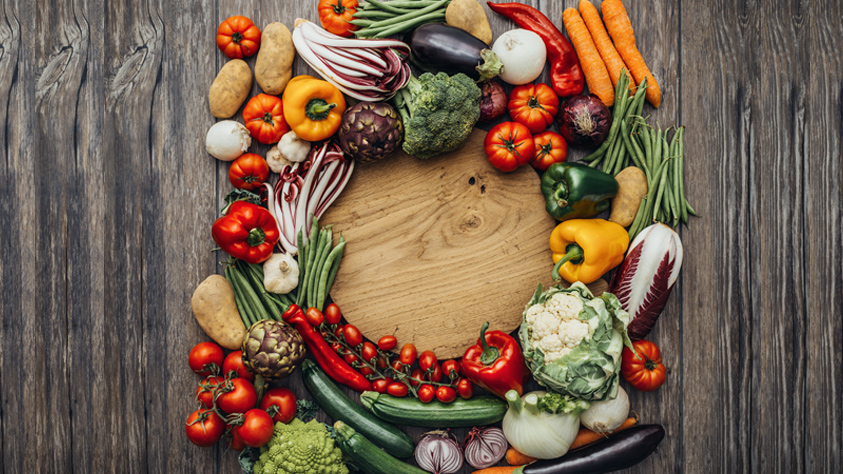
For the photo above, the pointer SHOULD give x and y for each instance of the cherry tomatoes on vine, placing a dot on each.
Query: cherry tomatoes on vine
(204, 427)
(387, 343)
(446, 394)
(383, 362)
(417, 374)
(240, 397)
(427, 360)
(426, 393)
(369, 352)
(451, 368)
(314, 316)
(397, 389)
(350, 358)
(257, 428)
(204, 357)
(205, 390)
(333, 314)
(366, 370)
(284, 399)
(465, 388)
(352, 335)
(235, 443)
(380, 385)
(435, 374)
(408, 354)
(234, 363)
(398, 366)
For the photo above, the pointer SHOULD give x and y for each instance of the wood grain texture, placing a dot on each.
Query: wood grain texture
(109, 195)
(436, 247)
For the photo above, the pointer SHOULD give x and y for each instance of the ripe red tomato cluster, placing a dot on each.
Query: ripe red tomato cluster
(525, 139)
(228, 401)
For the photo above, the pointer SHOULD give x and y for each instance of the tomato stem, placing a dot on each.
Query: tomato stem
(237, 37)
(339, 8)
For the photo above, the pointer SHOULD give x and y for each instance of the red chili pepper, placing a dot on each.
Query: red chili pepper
(246, 231)
(496, 363)
(565, 72)
(329, 360)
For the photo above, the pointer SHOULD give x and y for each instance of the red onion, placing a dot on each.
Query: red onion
(493, 101)
(485, 447)
(368, 70)
(438, 452)
(305, 191)
(584, 120)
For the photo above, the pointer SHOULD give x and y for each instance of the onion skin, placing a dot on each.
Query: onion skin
(584, 121)
(493, 101)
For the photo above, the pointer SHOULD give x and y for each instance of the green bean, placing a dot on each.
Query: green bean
(326, 240)
(409, 16)
(256, 280)
(361, 15)
(387, 6)
(249, 299)
(362, 22)
(237, 301)
(329, 272)
(620, 162)
(657, 149)
(662, 179)
(646, 140)
(621, 99)
(428, 18)
(638, 156)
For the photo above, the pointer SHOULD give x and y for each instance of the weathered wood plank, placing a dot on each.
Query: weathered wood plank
(716, 105)
(820, 153)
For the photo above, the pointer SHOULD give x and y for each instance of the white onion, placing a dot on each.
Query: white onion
(608, 415)
(523, 55)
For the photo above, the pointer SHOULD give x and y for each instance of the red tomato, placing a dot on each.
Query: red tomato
(333, 314)
(435, 375)
(397, 365)
(204, 428)
(387, 343)
(550, 148)
(335, 16)
(339, 331)
(248, 171)
(417, 374)
(237, 37)
(533, 105)
(397, 389)
(205, 390)
(426, 393)
(235, 443)
(314, 316)
(644, 371)
(380, 385)
(465, 388)
(369, 352)
(264, 117)
(234, 363)
(451, 368)
(509, 145)
(240, 399)
(284, 399)
(408, 354)
(350, 358)
(365, 370)
(383, 362)
(257, 428)
(205, 357)
(427, 360)
(352, 335)
(446, 394)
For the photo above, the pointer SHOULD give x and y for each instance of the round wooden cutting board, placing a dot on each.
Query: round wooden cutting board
(436, 247)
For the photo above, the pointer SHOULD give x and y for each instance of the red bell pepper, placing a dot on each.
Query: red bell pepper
(496, 363)
(246, 231)
(565, 71)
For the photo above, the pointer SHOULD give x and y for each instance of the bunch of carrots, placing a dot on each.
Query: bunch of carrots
(603, 54)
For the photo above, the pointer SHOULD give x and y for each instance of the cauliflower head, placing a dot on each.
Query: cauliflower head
(301, 448)
(572, 341)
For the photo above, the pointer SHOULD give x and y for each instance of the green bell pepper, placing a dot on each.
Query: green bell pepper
(575, 190)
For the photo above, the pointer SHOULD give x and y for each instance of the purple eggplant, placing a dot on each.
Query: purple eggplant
(438, 47)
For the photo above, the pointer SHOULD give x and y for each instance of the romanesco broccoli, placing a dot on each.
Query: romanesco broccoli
(302, 448)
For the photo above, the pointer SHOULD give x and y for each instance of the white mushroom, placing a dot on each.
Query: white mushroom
(226, 140)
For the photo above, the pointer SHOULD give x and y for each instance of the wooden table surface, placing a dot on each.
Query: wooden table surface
(108, 197)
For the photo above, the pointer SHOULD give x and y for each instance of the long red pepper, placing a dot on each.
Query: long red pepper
(565, 72)
(330, 361)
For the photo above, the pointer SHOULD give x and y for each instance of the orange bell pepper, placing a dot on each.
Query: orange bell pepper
(313, 108)
(585, 249)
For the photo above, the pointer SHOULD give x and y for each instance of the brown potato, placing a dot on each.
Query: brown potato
(632, 187)
(230, 89)
(274, 65)
(216, 312)
(469, 15)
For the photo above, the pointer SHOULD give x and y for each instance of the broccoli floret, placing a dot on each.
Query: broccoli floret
(439, 111)
(300, 447)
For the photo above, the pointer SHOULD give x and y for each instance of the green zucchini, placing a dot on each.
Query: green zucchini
(461, 413)
(366, 456)
(340, 407)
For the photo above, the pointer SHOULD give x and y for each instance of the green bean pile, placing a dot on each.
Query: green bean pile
(319, 261)
(254, 303)
(632, 140)
(378, 19)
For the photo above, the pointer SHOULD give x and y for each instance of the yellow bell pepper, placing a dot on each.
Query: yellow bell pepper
(585, 249)
(313, 108)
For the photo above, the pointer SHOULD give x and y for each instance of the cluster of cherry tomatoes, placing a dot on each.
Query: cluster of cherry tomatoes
(526, 139)
(230, 405)
(406, 373)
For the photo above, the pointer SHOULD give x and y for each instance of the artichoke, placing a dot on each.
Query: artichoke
(370, 131)
(272, 349)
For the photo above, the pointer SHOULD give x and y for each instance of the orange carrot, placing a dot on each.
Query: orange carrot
(596, 75)
(617, 22)
(516, 458)
(498, 470)
(614, 62)
(586, 437)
